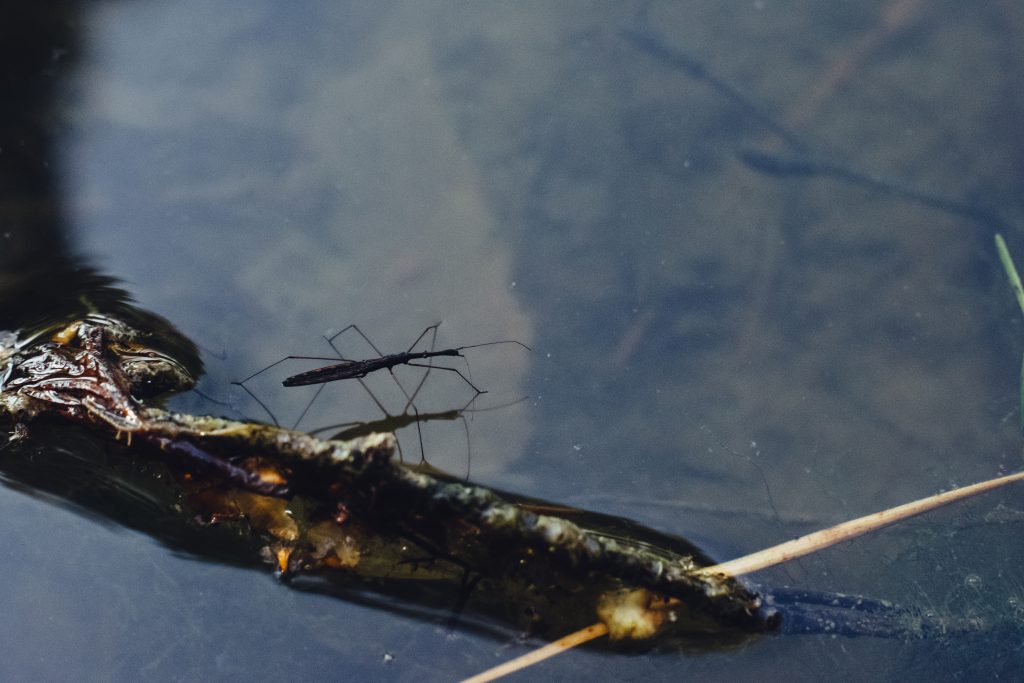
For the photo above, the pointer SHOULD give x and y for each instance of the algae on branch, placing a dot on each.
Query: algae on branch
(343, 508)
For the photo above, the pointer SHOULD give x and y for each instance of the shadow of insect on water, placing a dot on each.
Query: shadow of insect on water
(393, 423)
(342, 368)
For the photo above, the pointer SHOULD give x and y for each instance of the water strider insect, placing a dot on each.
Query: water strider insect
(356, 369)
(344, 368)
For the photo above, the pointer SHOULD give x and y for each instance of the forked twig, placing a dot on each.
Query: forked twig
(762, 559)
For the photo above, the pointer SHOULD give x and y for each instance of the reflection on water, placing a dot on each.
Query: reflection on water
(724, 354)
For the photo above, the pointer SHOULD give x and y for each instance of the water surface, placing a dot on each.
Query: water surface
(729, 355)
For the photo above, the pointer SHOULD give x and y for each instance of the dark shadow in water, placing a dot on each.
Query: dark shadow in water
(111, 484)
(39, 44)
(43, 281)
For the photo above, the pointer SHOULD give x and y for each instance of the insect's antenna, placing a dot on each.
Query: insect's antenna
(503, 341)
(255, 398)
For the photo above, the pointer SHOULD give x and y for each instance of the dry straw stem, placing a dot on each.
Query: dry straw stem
(768, 557)
(539, 655)
(847, 530)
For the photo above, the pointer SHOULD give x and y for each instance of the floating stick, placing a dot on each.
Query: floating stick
(820, 540)
(763, 559)
(539, 655)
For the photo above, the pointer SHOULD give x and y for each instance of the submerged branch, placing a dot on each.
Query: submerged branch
(327, 507)
(347, 511)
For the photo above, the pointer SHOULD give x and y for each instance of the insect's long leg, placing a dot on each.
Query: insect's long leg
(341, 356)
(455, 370)
(470, 579)
(429, 366)
(330, 341)
(260, 372)
(308, 406)
(419, 432)
(408, 397)
(241, 383)
(469, 371)
(276, 363)
(411, 397)
(433, 341)
(433, 345)
(255, 398)
(469, 444)
(373, 396)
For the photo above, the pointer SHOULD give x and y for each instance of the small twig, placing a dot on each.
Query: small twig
(763, 559)
(539, 655)
(820, 540)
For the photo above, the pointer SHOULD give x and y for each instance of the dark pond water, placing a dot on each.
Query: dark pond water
(726, 354)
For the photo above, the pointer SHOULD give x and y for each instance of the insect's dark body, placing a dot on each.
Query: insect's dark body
(353, 369)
